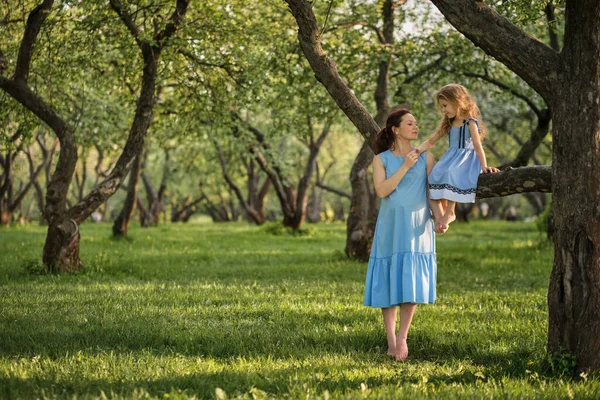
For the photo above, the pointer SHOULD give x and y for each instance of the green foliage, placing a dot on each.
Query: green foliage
(563, 363)
(543, 221)
(34, 266)
(277, 229)
(201, 311)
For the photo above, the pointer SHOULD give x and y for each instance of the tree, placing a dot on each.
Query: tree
(569, 82)
(61, 250)
(528, 179)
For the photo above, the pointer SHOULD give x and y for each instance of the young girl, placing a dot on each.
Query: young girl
(454, 177)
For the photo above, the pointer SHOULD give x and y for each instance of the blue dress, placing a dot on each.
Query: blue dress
(455, 176)
(403, 266)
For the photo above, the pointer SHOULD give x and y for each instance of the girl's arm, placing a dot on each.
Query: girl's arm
(383, 187)
(435, 205)
(428, 144)
(479, 148)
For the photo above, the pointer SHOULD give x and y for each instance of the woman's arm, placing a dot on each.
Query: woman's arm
(474, 131)
(383, 187)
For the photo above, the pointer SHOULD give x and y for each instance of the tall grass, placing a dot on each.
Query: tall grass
(215, 311)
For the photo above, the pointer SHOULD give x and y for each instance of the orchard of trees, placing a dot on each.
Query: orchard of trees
(263, 111)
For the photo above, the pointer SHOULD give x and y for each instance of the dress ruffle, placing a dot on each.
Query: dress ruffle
(406, 277)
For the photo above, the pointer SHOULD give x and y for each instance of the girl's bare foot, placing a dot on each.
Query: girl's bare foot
(440, 228)
(446, 219)
(401, 350)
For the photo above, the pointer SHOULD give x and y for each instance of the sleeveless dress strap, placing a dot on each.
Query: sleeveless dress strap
(476, 122)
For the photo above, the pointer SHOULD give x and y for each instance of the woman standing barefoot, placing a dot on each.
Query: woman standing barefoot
(402, 265)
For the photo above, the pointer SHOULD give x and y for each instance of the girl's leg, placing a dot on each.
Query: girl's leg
(438, 209)
(449, 215)
(389, 320)
(407, 310)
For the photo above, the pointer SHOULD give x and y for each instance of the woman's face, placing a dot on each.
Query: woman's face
(408, 128)
(448, 109)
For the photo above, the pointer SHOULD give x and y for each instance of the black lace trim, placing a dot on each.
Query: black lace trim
(436, 186)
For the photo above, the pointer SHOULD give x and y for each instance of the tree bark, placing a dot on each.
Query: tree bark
(574, 293)
(293, 200)
(314, 146)
(121, 224)
(364, 204)
(359, 233)
(254, 214)
(569, 82)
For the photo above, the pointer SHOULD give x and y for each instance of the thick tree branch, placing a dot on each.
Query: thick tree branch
(345, 25)
(514, 181)
(529, 58)
(333, 190)
(326, 71)
(238, 193)
(20, 91)
(34, 173)
(141, 120)
(174, 22)
(551, 18)
(34, 23)
(537, 136)
(117, 6)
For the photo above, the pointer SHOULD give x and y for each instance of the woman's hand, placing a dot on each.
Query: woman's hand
(410, 159)
(487, 170)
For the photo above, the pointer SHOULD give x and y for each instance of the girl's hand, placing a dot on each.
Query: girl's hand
(487, 170)
(410, 159)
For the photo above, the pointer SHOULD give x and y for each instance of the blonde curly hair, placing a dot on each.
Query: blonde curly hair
(459, 97)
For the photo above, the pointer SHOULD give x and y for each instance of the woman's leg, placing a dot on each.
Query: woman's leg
(407, 310)
(389, 320)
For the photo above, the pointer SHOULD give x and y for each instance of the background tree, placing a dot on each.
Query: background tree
(61, 251)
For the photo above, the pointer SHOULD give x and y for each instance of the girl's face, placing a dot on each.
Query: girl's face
(408, 128)
(448, 109)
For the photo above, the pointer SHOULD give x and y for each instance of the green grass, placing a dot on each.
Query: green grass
(210, 311)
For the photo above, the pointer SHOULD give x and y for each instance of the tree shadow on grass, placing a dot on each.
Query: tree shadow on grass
(281, 382)
(294, 334)
(335, 376)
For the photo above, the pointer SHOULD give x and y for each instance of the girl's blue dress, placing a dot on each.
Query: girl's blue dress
(455, 176)
(403, 266)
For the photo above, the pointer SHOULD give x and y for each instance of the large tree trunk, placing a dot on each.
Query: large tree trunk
(359, 235)
(574, 293)
(363, 204)
(121, 224)
(61, 250)
(569, 82)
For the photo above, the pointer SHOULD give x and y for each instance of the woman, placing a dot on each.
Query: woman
(402, 265)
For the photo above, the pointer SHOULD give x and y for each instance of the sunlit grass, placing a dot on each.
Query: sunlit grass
(207, 311)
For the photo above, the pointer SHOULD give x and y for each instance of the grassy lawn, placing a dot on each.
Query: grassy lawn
(215, 311)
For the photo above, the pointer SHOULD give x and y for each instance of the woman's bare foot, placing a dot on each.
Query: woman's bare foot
(401, 350)
(391, 352)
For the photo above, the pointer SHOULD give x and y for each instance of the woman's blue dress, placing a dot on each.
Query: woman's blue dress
(402, 266)
(455, 176)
